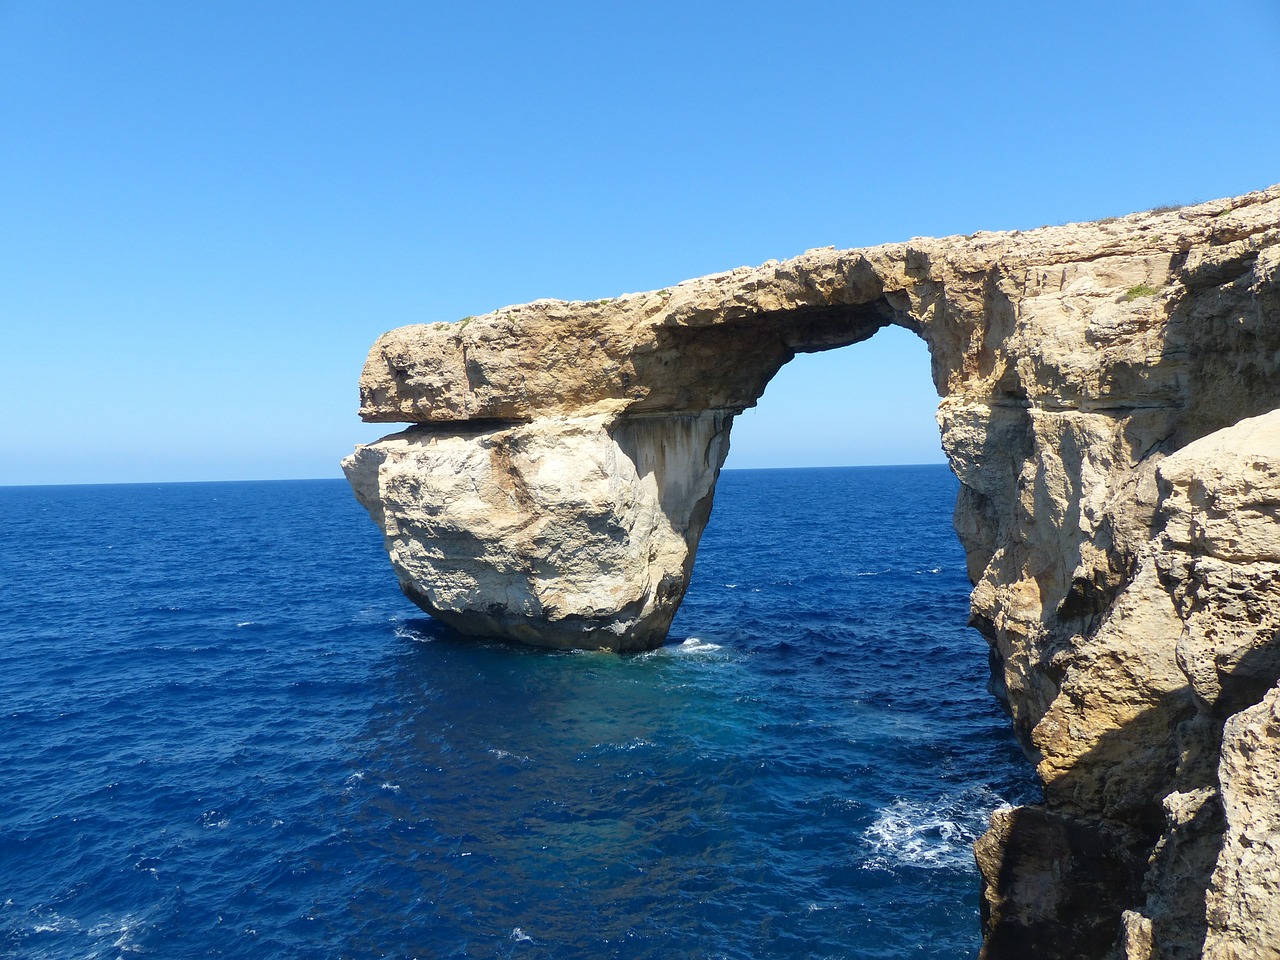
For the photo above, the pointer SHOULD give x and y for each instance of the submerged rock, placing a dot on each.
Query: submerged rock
(1106, 401)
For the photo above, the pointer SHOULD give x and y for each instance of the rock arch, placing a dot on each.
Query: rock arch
(562, 459)
(570, 526)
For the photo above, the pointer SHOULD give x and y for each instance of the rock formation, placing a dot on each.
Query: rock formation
(1107, 395)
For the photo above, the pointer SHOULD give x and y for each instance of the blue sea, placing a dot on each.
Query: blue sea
(225, 733)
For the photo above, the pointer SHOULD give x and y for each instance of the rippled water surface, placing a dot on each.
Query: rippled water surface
(226, 734)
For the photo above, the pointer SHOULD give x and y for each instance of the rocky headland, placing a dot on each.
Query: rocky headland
(1110, 401)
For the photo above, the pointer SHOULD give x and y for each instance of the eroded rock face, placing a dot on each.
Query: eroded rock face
(1219, 556)
(1120, 528)
(575, 532)
(1244, 900)
(1188, 643)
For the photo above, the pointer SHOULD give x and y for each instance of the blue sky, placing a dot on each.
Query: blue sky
(209, 210)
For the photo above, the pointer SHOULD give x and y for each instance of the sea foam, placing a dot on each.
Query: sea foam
(931, 834)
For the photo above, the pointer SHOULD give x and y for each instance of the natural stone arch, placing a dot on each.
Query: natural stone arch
(564, 456)
(577, 529)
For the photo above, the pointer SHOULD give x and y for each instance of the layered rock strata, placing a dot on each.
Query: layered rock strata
(1106, 392)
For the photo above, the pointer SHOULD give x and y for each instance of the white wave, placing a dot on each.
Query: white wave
(390, 787)
(143, 866)
(118, 931)
(688, 647)
(520, 936)
(408, 633)
(214, 820)
(55, 923)
(635, 743)
(123, 929)
(508, 755)
(696, 645)
(933, 834)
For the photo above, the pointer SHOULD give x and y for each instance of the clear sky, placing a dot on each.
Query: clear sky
(209, 210)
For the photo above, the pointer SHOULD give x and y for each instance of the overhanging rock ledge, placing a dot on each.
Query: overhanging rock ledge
(1107, 395)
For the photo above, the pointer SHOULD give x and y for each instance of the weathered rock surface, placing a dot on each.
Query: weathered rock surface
(572, 532)
(1219, 554)
(1118, 508)
(1202, 614)
(1244, 900)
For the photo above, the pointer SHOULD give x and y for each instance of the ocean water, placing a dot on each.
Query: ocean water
(226, 734)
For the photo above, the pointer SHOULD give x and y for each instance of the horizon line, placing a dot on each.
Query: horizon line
(154, 483)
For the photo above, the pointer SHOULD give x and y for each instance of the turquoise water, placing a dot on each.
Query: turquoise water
(227, 734)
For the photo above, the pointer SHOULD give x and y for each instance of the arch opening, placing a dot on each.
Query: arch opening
(806, 416)
(831, 578)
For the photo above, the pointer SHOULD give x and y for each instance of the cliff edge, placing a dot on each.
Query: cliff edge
(1107, 395)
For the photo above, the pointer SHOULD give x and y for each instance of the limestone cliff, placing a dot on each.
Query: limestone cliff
(1118, 507)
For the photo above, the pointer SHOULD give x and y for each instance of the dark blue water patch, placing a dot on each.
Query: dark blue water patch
(228, 735)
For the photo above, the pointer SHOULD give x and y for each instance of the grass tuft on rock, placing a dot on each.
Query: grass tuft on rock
(1138, 290)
